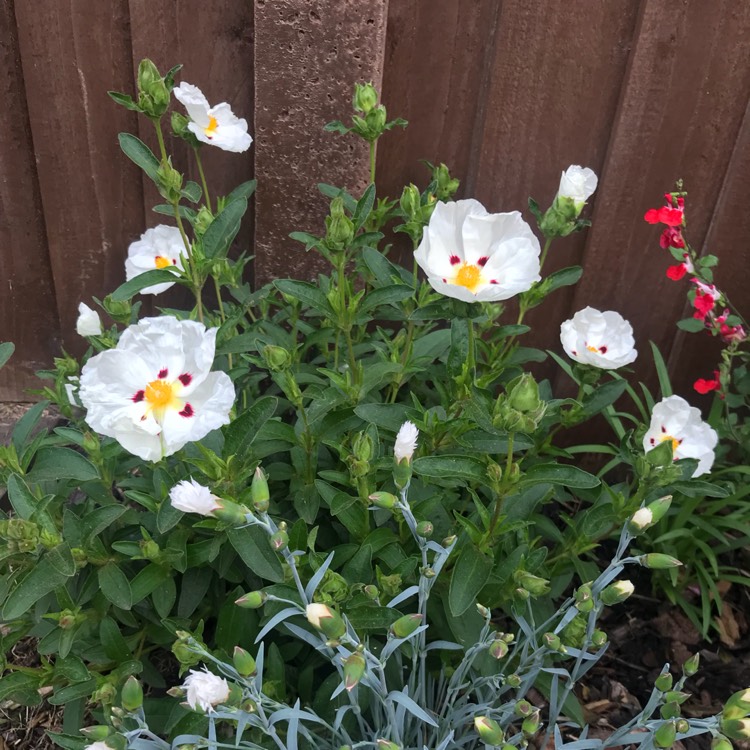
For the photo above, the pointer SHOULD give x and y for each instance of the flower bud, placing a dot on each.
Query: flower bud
(445, 185)
(383, 500)
(535, 585)
(119, 310)
(658, 561)
(641, 520)
(682, 726)
(483, 611)
(96, 732)
(659, 508)
(365, 97)
(252, 600)
(201, 223)
(339, 227)
(670, 710)
(448, 541)
(664, 682)
(153, 98)
(231, 513)
(690, 667)
(736, 729)
(599, 638)
(676, 696)
(523, 393)
(243, 662)
(428, 572)
(371, 592)
(666, 734)
(552, 641)
(406, 625)
(513, 680)
(738, 705)
(425, 529)
(530, 725)
(386, 745)
(131, 696)
(325, 619)
(498, 649)
(411, 202)
(354, 669)
(169, 181)
(720, 742)
(616, 593)
(180, 128)
(279, 540)
(489, 730)
(523, 709)
(276, 358)
(259, 491)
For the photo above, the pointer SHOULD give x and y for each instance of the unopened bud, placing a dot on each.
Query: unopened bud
(448, 541)
(365, 97)
(428, 572)
(498, 649)
(259, 493)
(119, 310)
(658, 561)
(736, 729)
(616, 593)
(513, 680)
(252, 600)
(535, 585)
(666, 734)
(243, 662)
(676, 696)
(552, 641)
(131, 697)
(425, 529)
(231, 513)
(720, 742)
(279, 540)
(659, 508)
(410, 202)
(383, 744)
(489, 730)
(641, 520)
(354, 669)
(522, 709)
(664, 682)
(96, 732)
(690, 667)
(738, 705)
(325, 619)
(371, 592)
(599, 638)
(482, 610)
(406, 625)
(530, 725)
(249, 706)
(682, 726)
(670, 710)
(523, 393)
(383, 500)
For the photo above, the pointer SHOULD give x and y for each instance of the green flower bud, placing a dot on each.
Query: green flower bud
(339, 227)
(386, 745)
(522, 594)
(66, 366)
(117, 741)
(97, 732)
(676, 696)
(406, 625)
(243, 662)
(365, 97)
(180, 128)
(259, 492)
(131, 696)
(276, 358)
(279, 540)
(657, 561)
(446, 186)
(664, 682)
(119, 310)
(599, 638)
(507, 637)
(202, 222)
(91, 443)
(738, 705)
(252, 600)
(666, 734)
(383, 500)
(690, 667)
(106, 694)
(659, 507)
(513, 680)
(389, 585)
(670, 710)
(425, 529)
(411, 202)
(153, 96)
(428, 572)
(498, 649)
(483, 611)
(231, 513)
(371, 592)
(616, 593)
(354, 669)
(535, 585)
(552, 641)
(325, 619)
(530, 725)
(169, 181)
(682, 726)
(523, 393)
(448, 541)
(249, 706)
(720, 742)
(574, 633)
(523, 709)
(489, 730)
(736, 729)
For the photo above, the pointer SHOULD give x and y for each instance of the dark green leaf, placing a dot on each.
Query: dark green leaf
(137, 151)
(112, 641)
(192, 191)
(387, 295)
(167, 210)
(700, 488)
(130, 288)
(26, 424)
(124, 101)
(563, 277)
(603, 396)
(459, 351)
(661, 371)
(390, 416)
(23, 502)
(372, 618)
(223, 229)
(64, 695)
(568, 476)
(244, 190)
(253, 546)
(692, 325)
(114, 584)
(99, 520)
(241, 433)
(147, 581)
(305, 292)
(451, 467)
(331, 191)
(469, 576)
(364, 207)
(62, 463)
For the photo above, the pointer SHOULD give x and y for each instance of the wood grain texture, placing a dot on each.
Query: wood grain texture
(28, 309)
(679, 115)
(308, 55)
(72, 54)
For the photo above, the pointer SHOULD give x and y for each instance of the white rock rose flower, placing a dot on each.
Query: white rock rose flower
(205, 690)
(600, 339)
(476, 256)
(217, 125)
(674, 420)
(406, 442)
(155, 392)
(191, 497)
(88, 323)
(578, 184)
(159, 247)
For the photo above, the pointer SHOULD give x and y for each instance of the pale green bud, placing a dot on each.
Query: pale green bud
(599, 638)
(411, 202)
(670, 710)
(523, 393)
(659, 507)
(325, 619)
(690, 667)
(530, 725)
(738, 705)
(522, 709)
(664, 682)
(616, 593)
(279, 540)
(552, 641)
(682, 726)
(153, 96)
(535, 585)
(736, 729)
(658, 561)
(252, 600)
(243, 662)
(231, 513)
(383, 500)
(721, 743)
(666, 734)
(513, 680)
(489, 730)
(498, 649)
(96, 732)
(365, 97)
(259, 492)
(131, 696)
(406, 625)
(384, 744)
(371, 592)
(354, 669)
(276, 358)
(425, 529)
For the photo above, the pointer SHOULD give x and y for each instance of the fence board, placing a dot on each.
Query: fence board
(28, 310)
(308, 53)
(681, 109)
(88, 205)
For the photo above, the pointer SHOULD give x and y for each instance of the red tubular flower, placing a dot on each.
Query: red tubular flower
(677, 272)
(671, 237)
(703, 386)
(703, 304)
(672, 217)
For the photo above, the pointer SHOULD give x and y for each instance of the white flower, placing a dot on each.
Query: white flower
(578, 184)
(316, 612)
(217, 125)
(160, 247)
(475, 256)
(191, 497)
(71, 389)
(155, 392)
(642, 519)
(98, 745)
(601, 339)
(88, 323)
(406, 442)
(674, 420)
(205, 690)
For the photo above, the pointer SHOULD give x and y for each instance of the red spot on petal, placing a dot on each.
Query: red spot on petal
(455, 260)
(575, 353)
(163, 373)
(186, 378)
(139, 396)
(603, 349)
(663, 428)
(482, 260)
(445, 281)
(494, 281)
(652, 441)
(187, 411)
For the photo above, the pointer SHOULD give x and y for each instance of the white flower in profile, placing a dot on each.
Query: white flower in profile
(71, 389)
(88, 323)
(600, 339)
(190, 496)
(578, 184)
(159, 247)
(476, 256)
(217, 125)
(155, 392)
(673, 420)
(406, 442)
(205, 690)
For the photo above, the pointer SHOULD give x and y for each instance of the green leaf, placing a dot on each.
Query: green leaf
(192, 191)
(563, 277)
(364, 207)
(305, 292)
(253, 546)
(137, 151)
(52, 571)
(114, 584)
(54, 462)
(451, 467)
(129, 289)
(661, 371)
(167, 210)
(459, 351)
(124, 101)
(241, 433)
(147, 581)
(167, 516)
(26, 424)
(193, 589)
(372, 618)
(603, 396)
(112, 641)
(700, 488)
(223, 229)
(64, 695)
(331, 191)
(692, 325)
(469, 577)
(6, 350)
(99, 520)
(662, 455)
(336, 127)
(244, 190)
(381, 268)
(386, 295)
(568, 476)
(390, 416)
(23, 502)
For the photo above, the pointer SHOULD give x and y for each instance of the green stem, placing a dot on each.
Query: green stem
(373, 153)
(203, 177)
(160, 138)
(501, 495)
(472, 358)
(545, 250)
(221, 311)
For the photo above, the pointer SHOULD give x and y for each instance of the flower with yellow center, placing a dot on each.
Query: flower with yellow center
(599, 339)
(160, 247)
(673, 420)
(155, 392)
(218, 125)
(475, 256)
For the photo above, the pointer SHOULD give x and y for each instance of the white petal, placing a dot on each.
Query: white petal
(196, 104)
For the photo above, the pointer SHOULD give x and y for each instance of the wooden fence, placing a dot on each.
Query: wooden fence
(507, 92)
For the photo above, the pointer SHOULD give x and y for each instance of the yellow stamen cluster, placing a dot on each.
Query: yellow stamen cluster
(210, 129)
(469, 276)
(159, 394)
(675, 442)
(161, 262)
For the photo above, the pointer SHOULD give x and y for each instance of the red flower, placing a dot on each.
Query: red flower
(677, 272)
(671, 237)
(672, 217)
(706, 386)
(703, 304)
